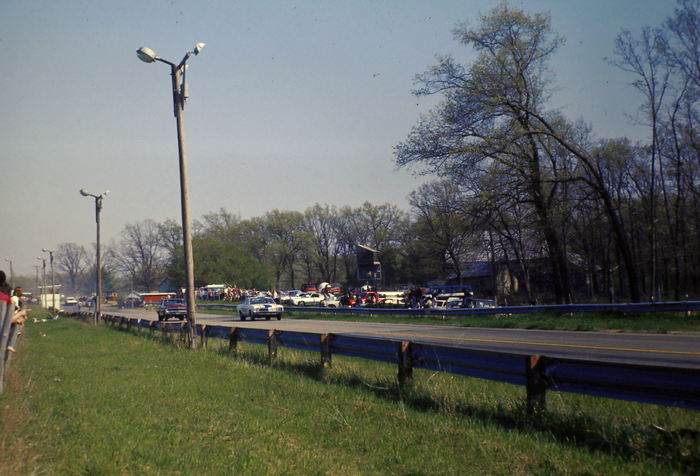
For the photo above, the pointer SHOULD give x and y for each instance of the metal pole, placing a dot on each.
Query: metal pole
(53, 289)
(36, 279)
(98, 272)
(43, 272)
(178, 105)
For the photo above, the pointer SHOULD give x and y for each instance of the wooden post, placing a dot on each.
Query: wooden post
(405, 350)
(233, 340)
(272, 343)
(167, 337)
(205, 336)
(536, 384)
(184, 333)
(326, 350)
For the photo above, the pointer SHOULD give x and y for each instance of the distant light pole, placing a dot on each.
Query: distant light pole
(179, 85)
(53, 286)
(43, 274)
(98, 259)
(36, 279)
(12, 274)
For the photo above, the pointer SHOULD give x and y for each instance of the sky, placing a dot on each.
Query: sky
(291, 103)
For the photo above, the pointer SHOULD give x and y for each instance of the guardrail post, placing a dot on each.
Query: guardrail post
(326, 350)
(233, 339)
(205, 336)
(272, 343)
(184, 332)
(536, 384)
(405, 351)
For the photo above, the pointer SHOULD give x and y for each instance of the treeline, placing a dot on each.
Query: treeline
(625, 216)
(555, 212)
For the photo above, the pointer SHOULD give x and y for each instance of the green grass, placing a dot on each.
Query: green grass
(95, 400)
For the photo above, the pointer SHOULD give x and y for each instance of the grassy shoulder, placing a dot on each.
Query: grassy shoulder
(85, 399)
(659, 322)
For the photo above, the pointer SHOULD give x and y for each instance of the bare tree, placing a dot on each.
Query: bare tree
(140, 254)
(321, 223)
(72, 260)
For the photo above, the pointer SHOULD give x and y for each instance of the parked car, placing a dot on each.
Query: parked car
(171, 308)
(307, 299)
(331, 301)
(287, 296)
(259, 306)
(70, 301)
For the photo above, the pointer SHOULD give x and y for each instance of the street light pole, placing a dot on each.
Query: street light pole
(53, 286)
(177, 72)
(98, 257)
(36, 279)
(43, 277)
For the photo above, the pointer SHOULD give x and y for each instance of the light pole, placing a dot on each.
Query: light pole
(36, 279)
(12, 274)
(53, 286)
(98, 260)
(179, 85)
(43, 275)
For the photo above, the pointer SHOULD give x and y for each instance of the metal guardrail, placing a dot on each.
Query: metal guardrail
(669, 306)
(678, 387)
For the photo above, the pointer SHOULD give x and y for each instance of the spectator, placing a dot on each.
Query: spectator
(17, 299)
(18, 316)
(5, 289)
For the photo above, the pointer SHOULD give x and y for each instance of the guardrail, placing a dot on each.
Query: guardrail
(670, 306)
(678, 387)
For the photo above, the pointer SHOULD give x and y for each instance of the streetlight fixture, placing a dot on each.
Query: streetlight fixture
(98, 261)
(53, 286)
(43, 276)
(179, 86)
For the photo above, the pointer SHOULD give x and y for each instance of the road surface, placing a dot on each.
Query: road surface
(673, 350)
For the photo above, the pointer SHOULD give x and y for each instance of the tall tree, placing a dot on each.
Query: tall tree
(437, 207)
(642, 57)
(488, 114)
(72, 260)
(321, 224)
(140, 254)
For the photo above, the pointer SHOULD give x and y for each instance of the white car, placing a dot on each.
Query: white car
(259, 306)
(307, 299)
(331, 301)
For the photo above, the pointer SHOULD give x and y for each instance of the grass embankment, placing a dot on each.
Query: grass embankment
(94, 400)
(662, 322)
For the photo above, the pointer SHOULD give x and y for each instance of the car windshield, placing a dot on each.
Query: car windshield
(175, 302)
(262, 300)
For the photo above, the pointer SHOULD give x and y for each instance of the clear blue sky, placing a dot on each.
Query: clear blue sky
(291, 103)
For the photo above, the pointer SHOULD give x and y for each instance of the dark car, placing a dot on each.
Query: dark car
(171, 308)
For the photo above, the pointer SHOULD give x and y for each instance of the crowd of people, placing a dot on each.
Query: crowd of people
(15, 304)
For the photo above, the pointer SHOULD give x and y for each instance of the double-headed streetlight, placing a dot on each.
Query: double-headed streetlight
(179, 85)
(53, 286)
(98, 259)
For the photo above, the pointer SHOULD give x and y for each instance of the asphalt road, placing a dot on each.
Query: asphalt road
(672, 350)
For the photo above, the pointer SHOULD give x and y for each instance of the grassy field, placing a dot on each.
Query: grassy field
(661, 322)
(95, 400)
